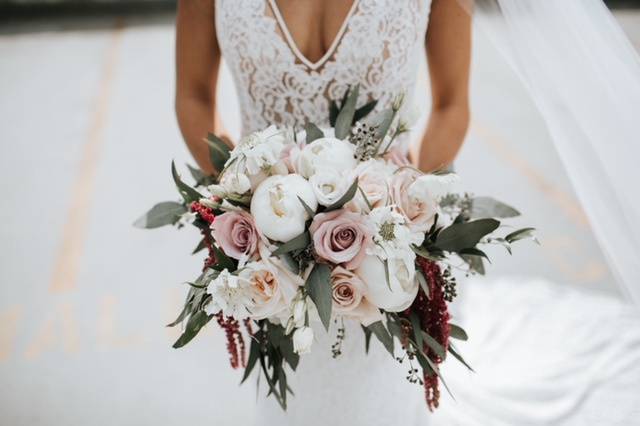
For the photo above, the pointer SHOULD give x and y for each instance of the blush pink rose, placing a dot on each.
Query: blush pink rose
(236, 233)
(419, 212)
(349, 297)
(341, 237)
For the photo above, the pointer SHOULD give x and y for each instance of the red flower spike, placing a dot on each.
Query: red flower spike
(235, 341)
(433, 314)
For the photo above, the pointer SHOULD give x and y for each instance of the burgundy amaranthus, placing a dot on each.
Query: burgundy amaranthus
(206, 214)
(434, 317)
(235, 341)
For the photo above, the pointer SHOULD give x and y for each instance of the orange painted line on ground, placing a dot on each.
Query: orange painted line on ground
(566, 202)
(66, 266)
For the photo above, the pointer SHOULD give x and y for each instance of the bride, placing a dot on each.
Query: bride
(542, 354)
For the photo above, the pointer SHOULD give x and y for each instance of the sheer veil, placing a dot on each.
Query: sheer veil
(584, 77)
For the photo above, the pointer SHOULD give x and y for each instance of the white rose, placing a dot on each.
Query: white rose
(327, 154)
(276, 208)
(329, 186)
(431, 187)
(373, 180)
(402, 288)
(235, 182)
(302, 340)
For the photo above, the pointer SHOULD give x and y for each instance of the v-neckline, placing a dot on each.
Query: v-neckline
(293, 45)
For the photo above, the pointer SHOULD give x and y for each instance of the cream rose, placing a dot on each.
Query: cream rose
(271, 285)
(276, 208)
(349, 300)
(419, 207)
(373, 181)
(402, 288)
(326, 154)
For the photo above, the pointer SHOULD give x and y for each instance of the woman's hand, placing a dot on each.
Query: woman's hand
(448, 46)
(197, 66)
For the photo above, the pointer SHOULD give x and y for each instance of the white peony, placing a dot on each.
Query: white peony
(399, 292)
(278, 212)
(302, 340)
(260, 151)
(326, 154)
(229, 295)
(329, 186)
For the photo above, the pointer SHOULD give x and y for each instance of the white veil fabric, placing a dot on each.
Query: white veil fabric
(584, 77)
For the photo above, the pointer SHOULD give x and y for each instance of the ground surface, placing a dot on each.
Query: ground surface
(87, 135)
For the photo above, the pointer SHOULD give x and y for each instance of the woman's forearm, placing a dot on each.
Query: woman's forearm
(443, 137)
(195, 118)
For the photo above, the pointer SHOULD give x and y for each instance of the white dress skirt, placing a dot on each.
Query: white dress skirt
(543, 354)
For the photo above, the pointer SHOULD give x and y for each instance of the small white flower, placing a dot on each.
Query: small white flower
(326, 154)
(260, 150)
(187, 218)
(393, 238)
(302, 340)
(299, 311)
(329, 186)
(235, 182)
(229, 295)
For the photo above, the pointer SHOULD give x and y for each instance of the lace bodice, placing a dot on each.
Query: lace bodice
(379, 46)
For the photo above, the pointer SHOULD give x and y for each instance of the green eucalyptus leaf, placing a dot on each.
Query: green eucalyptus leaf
(165, 213)
(458, 332)
(521, 234)
(308, 209)
(196, 174)
(223, 261)
(459, 357)
(484, 207)
(347, 112)
(364, 110)
(422, 280)
(385, 120)
(300, 242)
(219, 151)
(434, 345)
(417, 329)
(194, 325)
(319, 287)
(348, 196)
(254, 352)
(201, 246)
(334, 110)
(313, 132)
(379, 330)
(367, 338)
(476, 264)
(460, 236)
(188, 193)
(474, 252)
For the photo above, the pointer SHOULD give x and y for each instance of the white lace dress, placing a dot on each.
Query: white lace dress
(544, 355)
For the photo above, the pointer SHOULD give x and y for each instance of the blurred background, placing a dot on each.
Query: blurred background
(87, 136)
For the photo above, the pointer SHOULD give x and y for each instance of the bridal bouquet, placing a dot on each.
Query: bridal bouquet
(325, 226)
